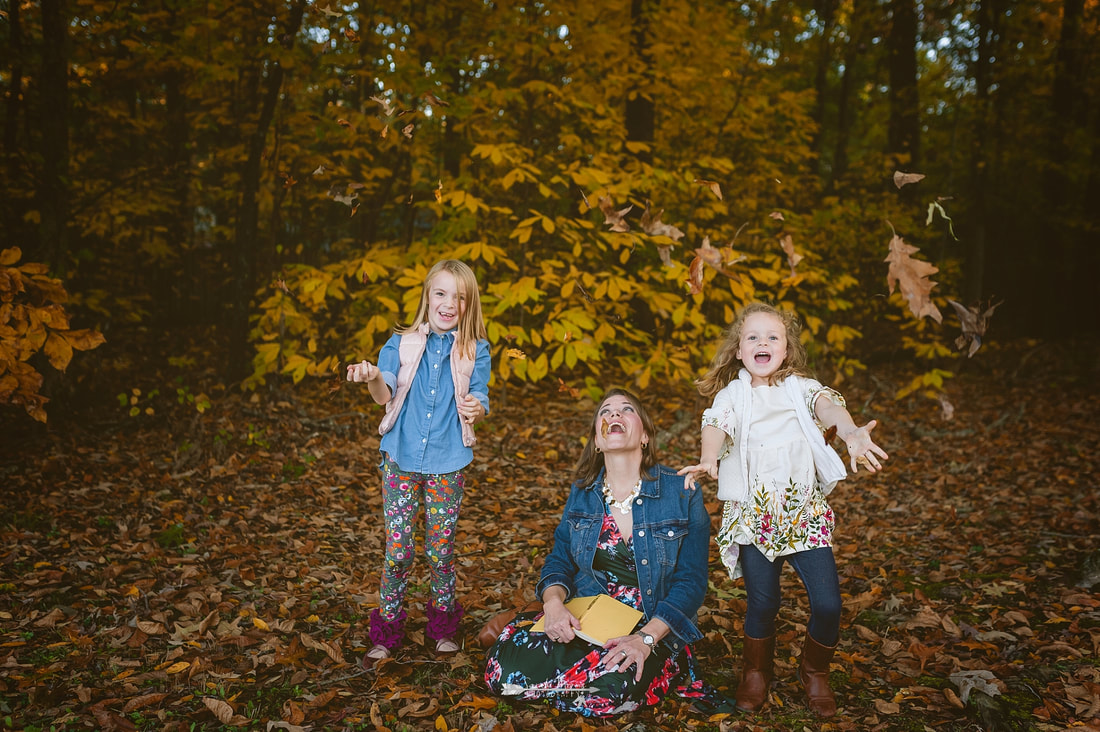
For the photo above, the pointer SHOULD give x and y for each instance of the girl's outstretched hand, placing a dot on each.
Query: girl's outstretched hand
(862, 450)
(691, 471)
(362, 371)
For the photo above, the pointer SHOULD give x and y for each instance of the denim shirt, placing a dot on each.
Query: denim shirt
(671, 539)
(427, 436)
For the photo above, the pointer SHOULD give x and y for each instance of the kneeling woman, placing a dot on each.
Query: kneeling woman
(629, 530)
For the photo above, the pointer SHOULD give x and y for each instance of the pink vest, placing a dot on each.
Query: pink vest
(409, 353)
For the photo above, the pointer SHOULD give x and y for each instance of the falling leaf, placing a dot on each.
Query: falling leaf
(387, 107)
(385, 131)
(439, 193)
(516, 354)
(786, 243)
(712, 185)
(903, 179)
(664, 251)
(331, 13)
(932, 209)
(947, 409)
(407, 130)
(584, 293)
(319, 170)
(614, 217)
(351, 35)
(652, 225)
(281, 284)
(776, 215)
(344, 123)
(911, 277)
(974, 322)
(709, 254)
(288, 180)
(695, 275)
(434, 101)
(570, 390)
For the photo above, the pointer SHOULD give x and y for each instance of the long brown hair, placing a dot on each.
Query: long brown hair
(590, 462)
(471, 323)
(725, 365)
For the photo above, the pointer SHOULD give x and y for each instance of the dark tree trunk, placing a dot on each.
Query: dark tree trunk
(13, 109)
(640, 112)
(903, 135)
(247, 231)
(53, 193)
(826, 11)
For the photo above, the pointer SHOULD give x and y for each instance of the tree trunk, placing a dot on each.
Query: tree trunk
(826, 11)
(13, 108)
(903, 134)
(53, 193)
(247, 230)
(640, 112)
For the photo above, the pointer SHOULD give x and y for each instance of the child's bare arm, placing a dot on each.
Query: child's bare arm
(712, 439)
(371, 375)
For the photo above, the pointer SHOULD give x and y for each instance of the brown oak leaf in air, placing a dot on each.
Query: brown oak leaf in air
(716, 258)
(903, 179)
(439, 193)
(712, 185)
(776, 215)
(652, 225)
(911, 276)
(974, 321)
(407, 130)
(614, 217)
(695, 275)
(319, 170)
(786, 243)
(331, 13)
(351, 35)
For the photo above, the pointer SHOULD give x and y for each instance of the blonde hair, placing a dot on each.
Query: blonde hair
(725, 365)
(471, 323)
(590, 462)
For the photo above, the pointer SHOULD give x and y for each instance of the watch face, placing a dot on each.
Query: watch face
(647, 639)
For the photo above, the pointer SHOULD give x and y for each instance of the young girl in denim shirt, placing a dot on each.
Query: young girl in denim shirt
(433, 378)
(762, 439)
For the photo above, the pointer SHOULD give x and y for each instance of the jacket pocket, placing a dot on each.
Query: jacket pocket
(667, 538)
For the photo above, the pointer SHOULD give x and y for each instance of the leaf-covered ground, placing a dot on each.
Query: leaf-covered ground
(185, 571)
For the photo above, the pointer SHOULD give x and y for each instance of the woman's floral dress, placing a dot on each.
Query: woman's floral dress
(531, 666)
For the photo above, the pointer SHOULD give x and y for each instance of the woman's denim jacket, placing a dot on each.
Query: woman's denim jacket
(671, 543)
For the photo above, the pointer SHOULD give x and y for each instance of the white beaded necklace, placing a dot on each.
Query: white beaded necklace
(624, 506)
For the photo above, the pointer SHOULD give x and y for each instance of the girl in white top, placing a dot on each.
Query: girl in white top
(762, 439)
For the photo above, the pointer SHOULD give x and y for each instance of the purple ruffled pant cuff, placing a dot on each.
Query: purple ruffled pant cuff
(443, 624)
(388, 633)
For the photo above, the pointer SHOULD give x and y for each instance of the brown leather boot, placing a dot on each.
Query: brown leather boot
(756, 674)
(814, 674)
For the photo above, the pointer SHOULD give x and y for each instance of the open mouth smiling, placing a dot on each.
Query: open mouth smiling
(612, 426)
(762, 357)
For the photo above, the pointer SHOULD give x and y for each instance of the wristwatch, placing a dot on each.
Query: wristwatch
(646, 638)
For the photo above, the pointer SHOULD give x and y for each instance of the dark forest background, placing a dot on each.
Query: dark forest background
(271, 180)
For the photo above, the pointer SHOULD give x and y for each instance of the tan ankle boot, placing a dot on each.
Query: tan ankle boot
(756, 674)
(814, 674)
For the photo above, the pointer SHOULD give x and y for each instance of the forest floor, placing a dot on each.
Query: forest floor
(186, 570)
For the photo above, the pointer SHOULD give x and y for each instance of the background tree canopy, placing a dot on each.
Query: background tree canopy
(285, 172)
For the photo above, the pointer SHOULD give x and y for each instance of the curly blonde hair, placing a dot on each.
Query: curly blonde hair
(725, 365)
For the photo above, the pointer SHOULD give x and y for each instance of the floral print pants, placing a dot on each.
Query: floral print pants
(402, 494)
